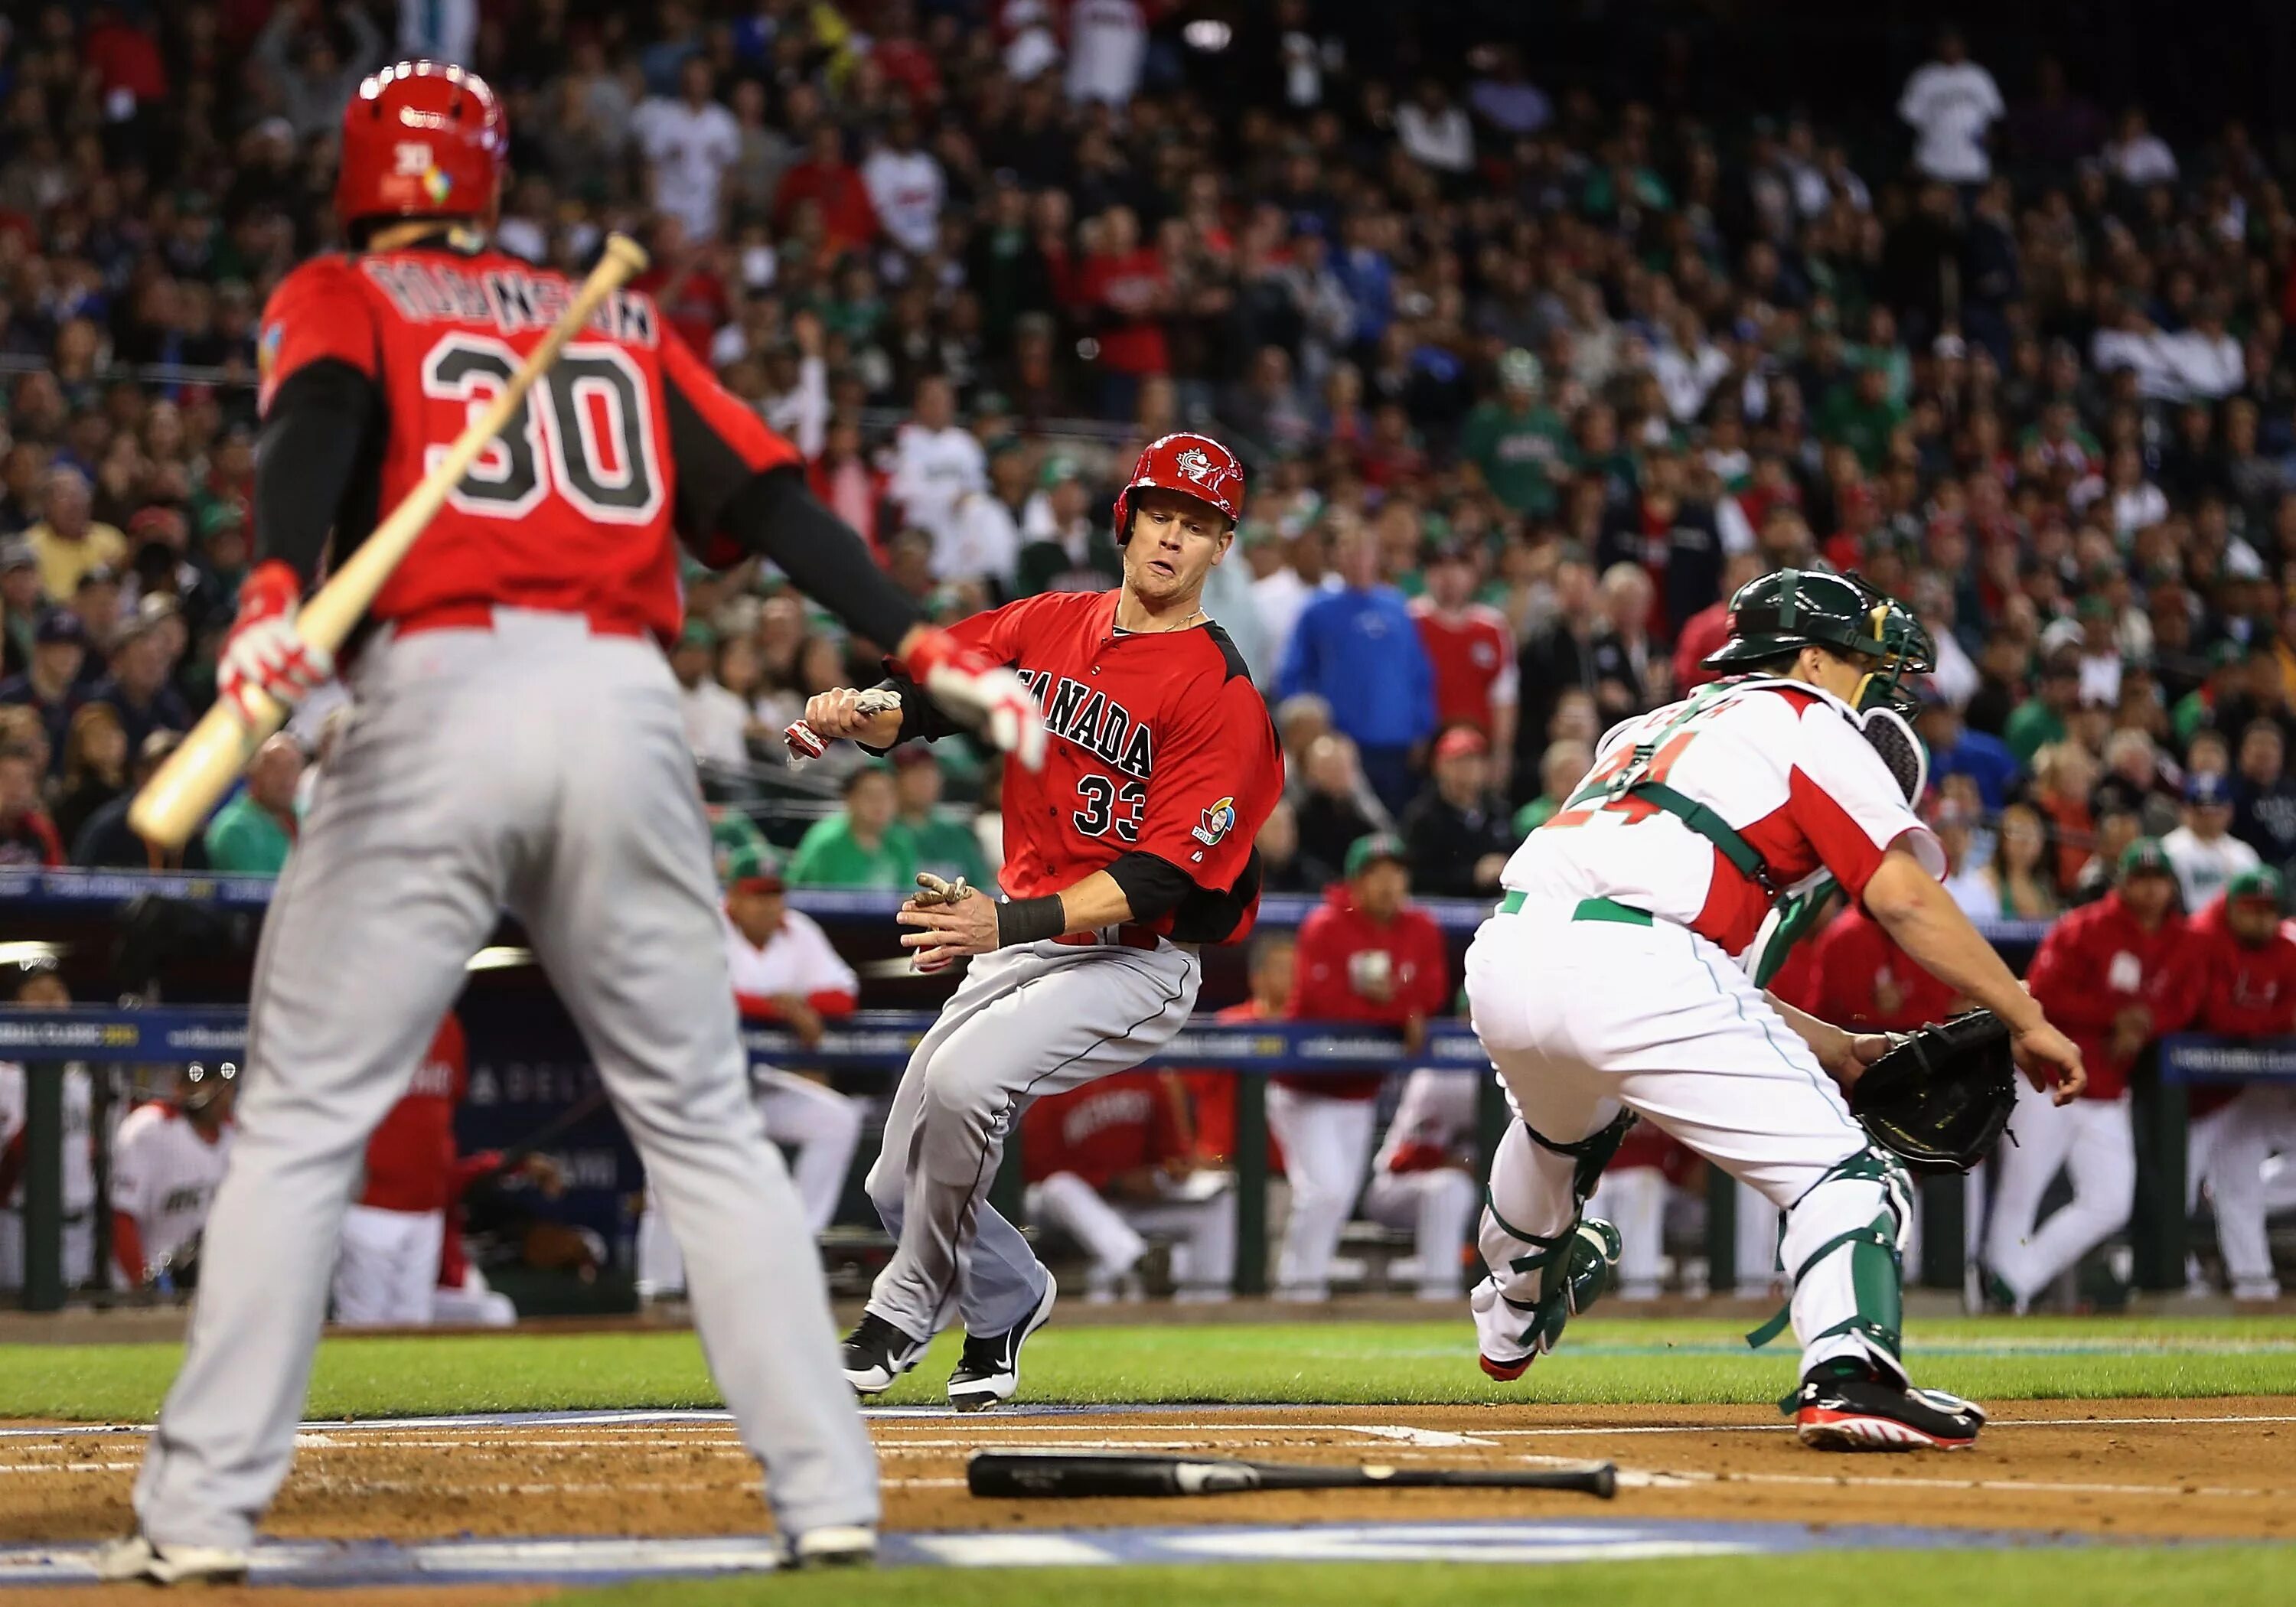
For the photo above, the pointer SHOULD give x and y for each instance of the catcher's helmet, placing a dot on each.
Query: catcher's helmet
(421, 139)
(1772, 615)
(1194, 465)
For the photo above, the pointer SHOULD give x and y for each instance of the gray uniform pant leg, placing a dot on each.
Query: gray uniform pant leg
(395, 883)
(1027, 1021)
(624, 916)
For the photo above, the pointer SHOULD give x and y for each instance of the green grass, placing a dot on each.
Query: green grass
(2101, 1577)
(1602, 1361)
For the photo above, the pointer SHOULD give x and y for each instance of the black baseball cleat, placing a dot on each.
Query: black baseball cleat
(876, 1353)
(990, 1371)
(1865, 1414)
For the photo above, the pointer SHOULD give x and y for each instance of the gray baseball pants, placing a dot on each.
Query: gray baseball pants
(540, 768)
(1037, 1019)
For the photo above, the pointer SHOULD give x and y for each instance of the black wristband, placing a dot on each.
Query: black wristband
(1029, 920)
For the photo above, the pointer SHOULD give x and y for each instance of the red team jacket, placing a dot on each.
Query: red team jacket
(571, 509)
(2245, 993)
(410, 1159)
(1856, 961)
(1322, 984)
(2096, 962)
(1115, 1124)
(1159, 744)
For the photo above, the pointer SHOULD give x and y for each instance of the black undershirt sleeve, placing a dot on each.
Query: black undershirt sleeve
(314, 439)
(773, 515)
(1152, 885)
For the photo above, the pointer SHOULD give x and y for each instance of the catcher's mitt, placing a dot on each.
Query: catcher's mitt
(1940, 1098)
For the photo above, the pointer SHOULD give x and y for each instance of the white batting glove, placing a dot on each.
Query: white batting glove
(804, 742)
(967, 682)
(265, 654)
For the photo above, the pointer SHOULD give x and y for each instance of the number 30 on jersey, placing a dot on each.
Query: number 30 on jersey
(584, 431)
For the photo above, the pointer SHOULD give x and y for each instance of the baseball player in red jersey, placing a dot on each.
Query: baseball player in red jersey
(2118, 973)
(1130, 849)
(516, 744)
(392, 1233)
(2250, 992)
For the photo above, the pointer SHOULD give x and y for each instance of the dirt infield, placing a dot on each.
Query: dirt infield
(2219, 1468)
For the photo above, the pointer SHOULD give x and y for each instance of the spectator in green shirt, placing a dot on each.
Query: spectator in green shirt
(863, 845)
(2040, 719)
(1861, 417)
(944, 845)
(253, 832)
(1561, 767)
(1521, 446)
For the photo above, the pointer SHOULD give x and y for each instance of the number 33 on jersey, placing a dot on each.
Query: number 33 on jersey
(571, 507)
(1159, 744)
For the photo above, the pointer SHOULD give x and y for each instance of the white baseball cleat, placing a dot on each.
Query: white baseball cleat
(831, 1545)
(136, 1558)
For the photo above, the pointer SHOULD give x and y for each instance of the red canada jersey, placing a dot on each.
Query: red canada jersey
(571, 509)
(1159, 744)
(410, 1159)
(1110, 1124)
(1472, 652)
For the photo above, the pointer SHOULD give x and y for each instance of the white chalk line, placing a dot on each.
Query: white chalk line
(1787, 1428)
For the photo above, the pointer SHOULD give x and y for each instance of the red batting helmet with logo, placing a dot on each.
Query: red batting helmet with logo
(1194, 465)
(421, 139)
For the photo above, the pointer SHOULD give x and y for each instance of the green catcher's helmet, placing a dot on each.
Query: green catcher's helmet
(1774, 614)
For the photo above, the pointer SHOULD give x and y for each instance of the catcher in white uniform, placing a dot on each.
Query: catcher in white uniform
(1609, 984)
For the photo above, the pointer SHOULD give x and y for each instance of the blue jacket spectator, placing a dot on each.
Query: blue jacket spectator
(1954, 749)
(1359, 651)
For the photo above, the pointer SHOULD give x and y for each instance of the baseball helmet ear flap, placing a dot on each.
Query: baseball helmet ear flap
(1194, 465)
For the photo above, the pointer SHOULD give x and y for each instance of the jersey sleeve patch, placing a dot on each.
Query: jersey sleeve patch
(318, 311)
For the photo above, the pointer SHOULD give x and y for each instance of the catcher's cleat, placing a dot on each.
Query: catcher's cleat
(831, 1545)
(988, 1372)
(135, 1558)
(1511, 1335)
(876, 1353)
(1858, 1414)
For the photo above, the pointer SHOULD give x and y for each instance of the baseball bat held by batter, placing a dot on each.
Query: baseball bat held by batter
(182, 792)
(1057, 1475)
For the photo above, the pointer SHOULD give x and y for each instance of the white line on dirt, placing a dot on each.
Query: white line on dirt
(2025, 1486)
(1787, 1428)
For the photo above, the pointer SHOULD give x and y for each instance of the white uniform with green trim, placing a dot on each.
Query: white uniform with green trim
(1612, 979)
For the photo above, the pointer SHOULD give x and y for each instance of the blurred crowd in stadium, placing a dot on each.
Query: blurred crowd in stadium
(1529, 381)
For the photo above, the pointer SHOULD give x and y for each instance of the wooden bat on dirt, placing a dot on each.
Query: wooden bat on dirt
(179, 796)
(1054, 1475)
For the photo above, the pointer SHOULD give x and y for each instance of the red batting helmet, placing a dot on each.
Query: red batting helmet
(423, 139)
(1194, 465)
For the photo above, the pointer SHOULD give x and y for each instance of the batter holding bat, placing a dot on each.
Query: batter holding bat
(1129, 849)
(516, 744)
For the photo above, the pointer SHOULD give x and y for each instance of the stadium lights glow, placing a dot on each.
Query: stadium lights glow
(1208, 34)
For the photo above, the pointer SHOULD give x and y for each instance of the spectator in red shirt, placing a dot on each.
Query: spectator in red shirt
(2250, 992)
(1472, 649)
(685, 286)
(1112, 1162)
(27, 836)
(394, 1231)
(1364, 956)
(1125, 294)
(2116, 975)
(833, 185)
(1865, 982)
(1709, 627)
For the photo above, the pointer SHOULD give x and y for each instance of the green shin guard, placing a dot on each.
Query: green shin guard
(1588, 1248)
(1876, 1269)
